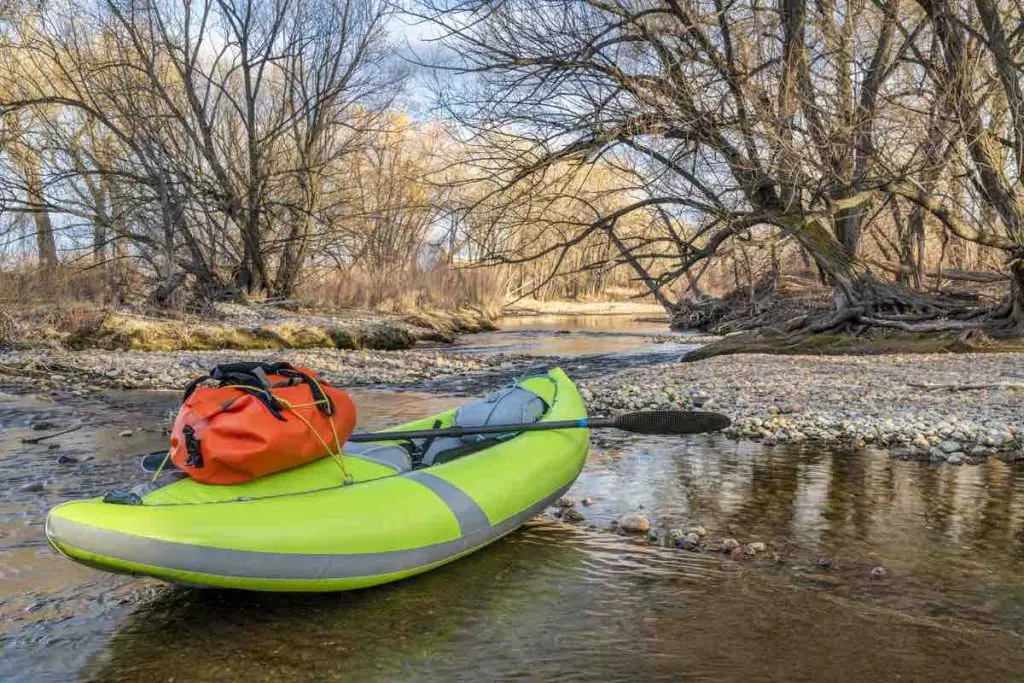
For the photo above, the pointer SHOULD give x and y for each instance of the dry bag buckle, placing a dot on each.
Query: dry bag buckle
(195, 457)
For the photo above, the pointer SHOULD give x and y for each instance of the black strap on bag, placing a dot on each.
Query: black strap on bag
(251, 378)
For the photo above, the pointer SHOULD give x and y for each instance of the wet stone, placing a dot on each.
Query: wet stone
(571, 515)
(689, 542)
(635, 524)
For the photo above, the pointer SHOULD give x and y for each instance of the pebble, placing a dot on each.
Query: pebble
(730, 544)
(825, 562)
(756, 547)
(588, 501)
(878, 572)
(956, 459)
(635, 524)
(31, 487)
(126, 432)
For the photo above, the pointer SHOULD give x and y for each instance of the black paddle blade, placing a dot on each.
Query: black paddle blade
(671, 422)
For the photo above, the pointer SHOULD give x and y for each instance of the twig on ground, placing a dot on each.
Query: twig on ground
(40, 439)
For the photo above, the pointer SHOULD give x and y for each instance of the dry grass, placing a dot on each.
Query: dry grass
(69, 307)
(27, 284)
(120, 332)
(406, 292)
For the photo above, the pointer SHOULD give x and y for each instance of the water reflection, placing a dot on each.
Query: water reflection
(552, 602)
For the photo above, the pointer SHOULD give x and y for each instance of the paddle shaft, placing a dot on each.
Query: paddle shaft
(485, 429)
(655, 422)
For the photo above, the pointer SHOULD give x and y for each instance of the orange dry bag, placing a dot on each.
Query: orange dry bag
(261, 418)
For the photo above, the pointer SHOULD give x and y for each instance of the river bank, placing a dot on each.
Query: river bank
(84, 326)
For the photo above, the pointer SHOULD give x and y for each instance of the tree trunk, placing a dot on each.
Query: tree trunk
(1017, 295)
(45, 242)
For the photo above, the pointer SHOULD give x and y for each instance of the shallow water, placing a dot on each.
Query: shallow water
(555, 600)
(585, 346)
(576, 335)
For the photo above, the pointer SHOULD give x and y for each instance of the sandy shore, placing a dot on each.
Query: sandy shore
(955, 408)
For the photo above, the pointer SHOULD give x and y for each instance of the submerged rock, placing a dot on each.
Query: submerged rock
(635, 524)
(689, 542)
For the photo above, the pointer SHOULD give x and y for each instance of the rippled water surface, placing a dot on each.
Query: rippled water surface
(567, 336)
(572, 602)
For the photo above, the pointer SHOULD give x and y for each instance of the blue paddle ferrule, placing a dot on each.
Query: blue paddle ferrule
(582, 423)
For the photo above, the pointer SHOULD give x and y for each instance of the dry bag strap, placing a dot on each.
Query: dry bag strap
(251, 378)
(323, 402)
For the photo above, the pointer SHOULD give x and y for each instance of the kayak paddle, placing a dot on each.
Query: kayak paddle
(651, 422)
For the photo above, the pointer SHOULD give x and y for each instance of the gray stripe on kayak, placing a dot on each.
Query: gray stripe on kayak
(259, 565)
(471, 517)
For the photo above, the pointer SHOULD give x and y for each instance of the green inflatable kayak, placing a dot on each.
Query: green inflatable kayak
(304, 530)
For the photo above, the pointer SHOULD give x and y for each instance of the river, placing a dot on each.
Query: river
(876, 569)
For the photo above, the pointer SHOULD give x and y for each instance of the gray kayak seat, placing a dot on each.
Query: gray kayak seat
(508, 405)
(388, 454)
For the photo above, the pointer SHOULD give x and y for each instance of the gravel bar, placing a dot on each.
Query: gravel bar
(953, 408)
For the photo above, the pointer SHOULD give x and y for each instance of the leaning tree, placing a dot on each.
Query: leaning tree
(801, 119)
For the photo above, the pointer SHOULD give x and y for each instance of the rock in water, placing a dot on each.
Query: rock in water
(730, 544)
(956, 459)
(635, 524)
(689, 542)
(571, 515)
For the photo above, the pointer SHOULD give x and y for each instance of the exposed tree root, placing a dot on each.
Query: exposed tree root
(872, 318)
